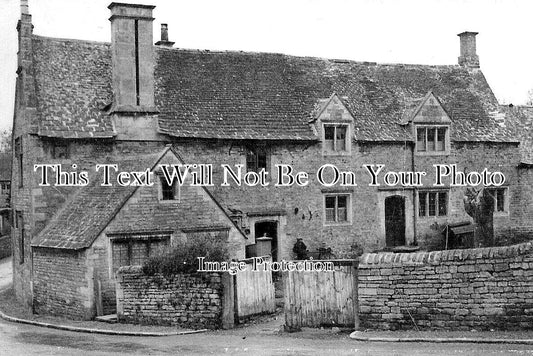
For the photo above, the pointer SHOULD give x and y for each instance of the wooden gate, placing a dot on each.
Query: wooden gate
(314, 299)
(254, 292)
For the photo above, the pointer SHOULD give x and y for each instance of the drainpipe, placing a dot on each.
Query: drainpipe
(415, 215)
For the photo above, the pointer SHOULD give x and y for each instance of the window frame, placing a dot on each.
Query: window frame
(434, 151)
(505, 190)
(256, 151)
(348, 220)
(427, 193)
(130, 240)
(347, 139)
(161, 194)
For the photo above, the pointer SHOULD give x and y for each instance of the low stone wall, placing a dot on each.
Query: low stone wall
(486, 288)
(186, 300)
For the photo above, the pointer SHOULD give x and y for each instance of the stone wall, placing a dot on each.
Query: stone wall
(186, 300)
(61, 286)
(486, 288)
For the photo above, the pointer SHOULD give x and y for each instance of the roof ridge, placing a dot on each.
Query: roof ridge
(338, 61)
(64, 39)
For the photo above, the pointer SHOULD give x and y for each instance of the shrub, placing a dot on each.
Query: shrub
(183, 257)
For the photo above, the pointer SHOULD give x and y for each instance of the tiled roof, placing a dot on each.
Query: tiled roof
(89, 211)
(520, 119)
(237, 95)
(5, 166)
(73, 86)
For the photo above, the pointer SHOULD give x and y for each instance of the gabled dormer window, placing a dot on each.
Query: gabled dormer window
(431, 126)
(336, 139)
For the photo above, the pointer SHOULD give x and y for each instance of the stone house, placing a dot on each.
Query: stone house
(82, 103)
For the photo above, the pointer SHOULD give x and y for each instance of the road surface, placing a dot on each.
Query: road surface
(19, 339)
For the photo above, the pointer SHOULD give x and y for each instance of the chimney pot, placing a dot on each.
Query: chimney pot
(24, 7)
(164, 37)
(468, 56)
(164, 32)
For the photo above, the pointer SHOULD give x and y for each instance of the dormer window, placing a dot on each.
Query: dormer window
(336, 139)
(432, 139)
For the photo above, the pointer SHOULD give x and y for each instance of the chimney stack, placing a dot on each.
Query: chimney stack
(468, 57)
(164, 37)
(132, 57)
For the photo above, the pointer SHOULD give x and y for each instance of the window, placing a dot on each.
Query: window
(499, 195)
(169, 192)
(431, 139)
(134, 251)
(256, 159)
(19, 225)
(336, 138)
(337, 208)
(432, 204)
(18, 154)
(5, 187)
(59, 150)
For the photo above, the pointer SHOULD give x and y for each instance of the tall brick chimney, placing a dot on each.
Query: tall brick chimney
(468, 57)
(132, 57)
(164, 37)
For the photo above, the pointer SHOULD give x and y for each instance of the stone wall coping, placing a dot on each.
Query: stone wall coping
(130, 270)
(437, 257)
(138, 270)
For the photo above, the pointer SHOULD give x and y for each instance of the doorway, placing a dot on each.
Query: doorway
(270, 228)
(395, 221)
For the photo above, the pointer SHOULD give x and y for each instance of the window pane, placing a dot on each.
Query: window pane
(139, 252)
(330, 202)
(342, 214)
(431, 139)
(441, 137)
(261, 161)
(167, 190)
(342, 201)
(329, 132)
(120, 254)
(500, 200)
(341, 138)
(422, 209)
(251, 161)
(342, 208)
(330, 208)
(443, 204)
(330, 214)
(421, 139)
(432, 204)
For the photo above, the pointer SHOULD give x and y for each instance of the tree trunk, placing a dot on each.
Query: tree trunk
(480, 206)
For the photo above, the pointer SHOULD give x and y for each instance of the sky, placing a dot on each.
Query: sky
(383, 31)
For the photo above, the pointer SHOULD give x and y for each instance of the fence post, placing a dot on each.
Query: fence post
(228, 301)
(355, 271)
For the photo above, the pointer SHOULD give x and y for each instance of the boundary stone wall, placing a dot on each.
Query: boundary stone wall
(483, 288)
(193, 300)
